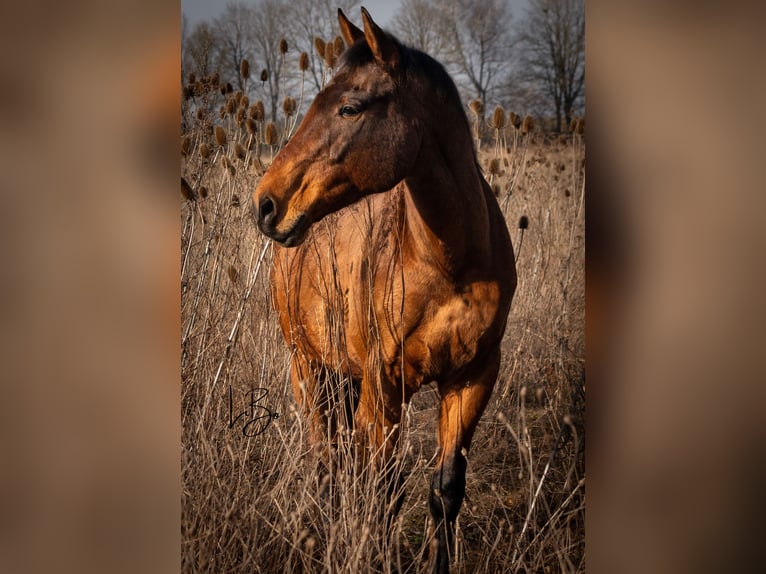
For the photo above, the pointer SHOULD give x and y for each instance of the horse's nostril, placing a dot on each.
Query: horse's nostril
(266, 210)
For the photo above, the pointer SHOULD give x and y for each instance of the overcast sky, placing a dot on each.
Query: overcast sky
(381, 10)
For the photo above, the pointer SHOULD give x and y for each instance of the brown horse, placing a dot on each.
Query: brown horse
(411, 280)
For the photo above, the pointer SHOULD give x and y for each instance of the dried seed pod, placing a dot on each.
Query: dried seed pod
(477, 107)
(527, 125)
(523, 222)
(187, 191)
(239, 151)
(251, 126)
(329, 56)
(339, 46)
(498, 118)
(244, 69)
(271, 134)
(260, 112)
(288, 106)
(303, 62)
(320, 46)
(264, 76)
(204, 150)
(283, 46)
(220, 136)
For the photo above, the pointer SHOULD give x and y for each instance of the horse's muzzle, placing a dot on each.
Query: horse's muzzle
(267, 217)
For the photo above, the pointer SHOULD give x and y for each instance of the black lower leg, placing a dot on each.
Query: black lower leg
(445, 499)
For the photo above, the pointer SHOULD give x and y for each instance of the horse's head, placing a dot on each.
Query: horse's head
(357, 138)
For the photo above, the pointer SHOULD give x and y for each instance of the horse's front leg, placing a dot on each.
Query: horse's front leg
(462, 405)
(376, 425)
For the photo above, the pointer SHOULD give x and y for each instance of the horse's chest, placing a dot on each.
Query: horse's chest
(420, 327)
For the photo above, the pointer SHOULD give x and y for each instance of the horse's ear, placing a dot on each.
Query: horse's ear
(384, 49)
(349, 32)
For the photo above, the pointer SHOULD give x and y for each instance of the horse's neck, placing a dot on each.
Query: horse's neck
(446, 210)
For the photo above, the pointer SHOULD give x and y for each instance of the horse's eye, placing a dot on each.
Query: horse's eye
(348, 111)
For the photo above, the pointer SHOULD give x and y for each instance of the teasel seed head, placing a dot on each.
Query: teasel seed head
(339, 46)
(329, 56)
(498, 118)
(222, 112)
(494, 166)
(204, 150)
(527, 124)
(231, 105)
(232, 273)
(187, 191)
(303, 62)
(288, 106)
(523, 222)
(319, 46)
(239, 151)
(283, 46)
(515, 119)
(477, 107)
(264, 76)
(227, 165)
(244, 101)
(252, 127)
(244, 69)
(271, 134)
(220, 136)
(241, 115)
(260, 112)
(203, 191)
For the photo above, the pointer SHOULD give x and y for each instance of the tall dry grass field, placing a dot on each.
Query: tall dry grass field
(255, 497)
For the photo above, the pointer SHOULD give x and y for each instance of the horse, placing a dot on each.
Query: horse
(394, 265)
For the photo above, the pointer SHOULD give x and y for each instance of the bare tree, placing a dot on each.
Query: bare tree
(201, 50)
(420, 24)
(309, 19)
(267, 30)
(479, 43)
(233, 30)
(554, 52)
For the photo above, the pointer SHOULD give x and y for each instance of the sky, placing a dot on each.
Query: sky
(382, 11)
(196, 10)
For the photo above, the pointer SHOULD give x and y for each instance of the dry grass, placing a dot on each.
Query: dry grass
(260, 504)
